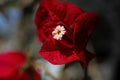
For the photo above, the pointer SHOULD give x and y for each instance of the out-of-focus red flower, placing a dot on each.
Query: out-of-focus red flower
(64, 30)
(12, 67)
(11, 63)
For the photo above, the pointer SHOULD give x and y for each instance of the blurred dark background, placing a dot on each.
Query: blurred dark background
(17, 31)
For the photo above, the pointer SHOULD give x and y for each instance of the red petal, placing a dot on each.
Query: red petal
(10, 63)
(83, 27)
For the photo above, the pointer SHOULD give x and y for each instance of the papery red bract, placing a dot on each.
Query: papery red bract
(10, 65)
(78, 24)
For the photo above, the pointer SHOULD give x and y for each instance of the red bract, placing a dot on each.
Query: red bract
(10, 64)
(78, 25)
(12, 67)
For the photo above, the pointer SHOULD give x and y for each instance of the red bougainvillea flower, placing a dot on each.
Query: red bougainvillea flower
(10, 64)
(64, 30)
(12, 67)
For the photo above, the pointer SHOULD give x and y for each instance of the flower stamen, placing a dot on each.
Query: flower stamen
(58, 32)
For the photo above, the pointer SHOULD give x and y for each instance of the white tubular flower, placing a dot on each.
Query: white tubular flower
(58, 32)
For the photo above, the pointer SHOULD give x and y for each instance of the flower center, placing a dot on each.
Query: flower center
(58, 32)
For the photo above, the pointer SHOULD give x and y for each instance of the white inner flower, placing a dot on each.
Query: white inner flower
(58, 32)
